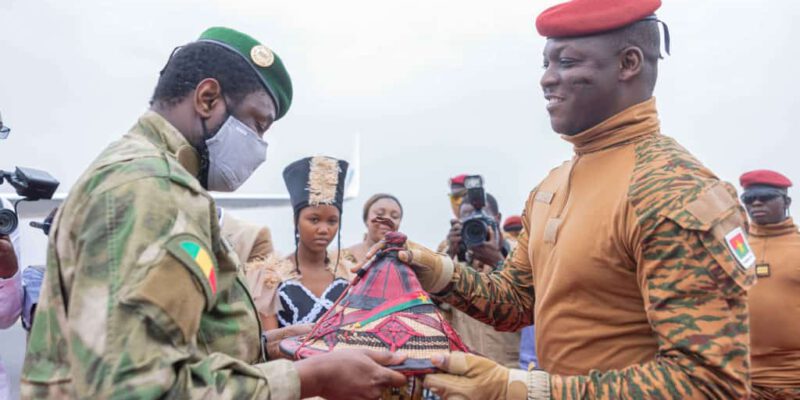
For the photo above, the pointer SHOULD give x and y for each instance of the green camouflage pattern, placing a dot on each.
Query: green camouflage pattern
(694, 290)
(120, 316)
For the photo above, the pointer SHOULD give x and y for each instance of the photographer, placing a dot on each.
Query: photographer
(480, 210)
(10, 278)
(492, 251)
(10, 289)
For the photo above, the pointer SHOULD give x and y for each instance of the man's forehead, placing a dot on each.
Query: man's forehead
(579, 43)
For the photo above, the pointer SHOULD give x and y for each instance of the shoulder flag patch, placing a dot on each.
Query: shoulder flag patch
(203, 260)
(194, 254)
(739, 247)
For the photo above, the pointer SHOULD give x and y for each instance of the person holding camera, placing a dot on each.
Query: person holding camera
(484, 249)
(11, 292)
(488, 247)
(10, 276)
(143, 297)
(456, 196)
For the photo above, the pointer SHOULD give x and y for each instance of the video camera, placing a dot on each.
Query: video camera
(31, 184)
(475, 227)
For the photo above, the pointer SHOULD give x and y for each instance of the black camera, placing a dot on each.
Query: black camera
(475, 227)
(31, 184)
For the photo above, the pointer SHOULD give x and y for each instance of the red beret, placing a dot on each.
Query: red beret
(458, 180)
(590, 17)
(514, 221)
(764, 177)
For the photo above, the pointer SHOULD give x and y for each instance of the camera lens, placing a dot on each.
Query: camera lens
(8, 221)
(474, 232)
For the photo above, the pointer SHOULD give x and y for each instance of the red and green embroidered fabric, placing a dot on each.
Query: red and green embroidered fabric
(384, 308)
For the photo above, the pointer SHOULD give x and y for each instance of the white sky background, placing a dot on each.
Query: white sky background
(434, 88)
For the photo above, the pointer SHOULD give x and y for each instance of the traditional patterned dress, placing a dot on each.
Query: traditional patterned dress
(278, 291)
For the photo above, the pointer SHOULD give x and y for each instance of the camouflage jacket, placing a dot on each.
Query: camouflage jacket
(634, 266)
(142, 299)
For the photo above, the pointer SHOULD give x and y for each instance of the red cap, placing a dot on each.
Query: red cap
(764, 177)
(514, 221)
(590, 17)
(458, 180)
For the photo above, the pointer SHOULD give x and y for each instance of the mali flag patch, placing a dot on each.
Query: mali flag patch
(740, 249)
(203, 260)
(192, 253)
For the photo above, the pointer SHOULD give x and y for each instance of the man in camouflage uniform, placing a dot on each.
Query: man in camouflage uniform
(632, 261)
(142, 298)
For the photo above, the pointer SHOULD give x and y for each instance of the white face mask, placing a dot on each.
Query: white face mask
(233, 154)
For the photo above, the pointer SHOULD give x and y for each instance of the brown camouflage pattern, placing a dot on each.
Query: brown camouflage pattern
(694, 291)
(775, 393)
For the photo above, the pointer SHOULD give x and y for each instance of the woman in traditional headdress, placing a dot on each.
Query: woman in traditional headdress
(379, 206)
(300, 288)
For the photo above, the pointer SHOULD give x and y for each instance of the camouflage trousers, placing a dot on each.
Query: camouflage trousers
(775, 393)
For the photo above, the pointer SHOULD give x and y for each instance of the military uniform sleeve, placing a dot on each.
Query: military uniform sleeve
(694, 290)
(503, 298)
(137, 303)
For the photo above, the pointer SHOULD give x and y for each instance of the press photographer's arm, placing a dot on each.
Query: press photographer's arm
(8, 258)
(10, 284)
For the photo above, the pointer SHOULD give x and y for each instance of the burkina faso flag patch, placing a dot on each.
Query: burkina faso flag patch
(740, 249)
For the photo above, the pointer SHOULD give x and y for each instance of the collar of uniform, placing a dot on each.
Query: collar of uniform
(784, 227)
(159, 131)
(624, 127)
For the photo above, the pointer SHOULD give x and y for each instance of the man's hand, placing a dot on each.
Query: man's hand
(349, 374)
(8, 258)
(472, 377)
(434, 270)
(370, 254)
(274, 337)
(489, 252)
(454, 238)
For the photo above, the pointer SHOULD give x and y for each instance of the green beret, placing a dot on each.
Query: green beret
(265, 63)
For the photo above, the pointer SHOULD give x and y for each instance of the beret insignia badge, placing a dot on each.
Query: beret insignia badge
(262, 56)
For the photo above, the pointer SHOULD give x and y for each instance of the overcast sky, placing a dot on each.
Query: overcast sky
(433, 88)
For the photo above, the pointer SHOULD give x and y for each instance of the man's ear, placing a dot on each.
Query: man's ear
(207, 96)
(631, 61)
(788, 201)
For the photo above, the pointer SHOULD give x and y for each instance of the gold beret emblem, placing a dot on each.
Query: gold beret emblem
(262, 56)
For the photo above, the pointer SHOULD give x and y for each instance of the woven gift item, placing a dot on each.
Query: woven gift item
(384, 309)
